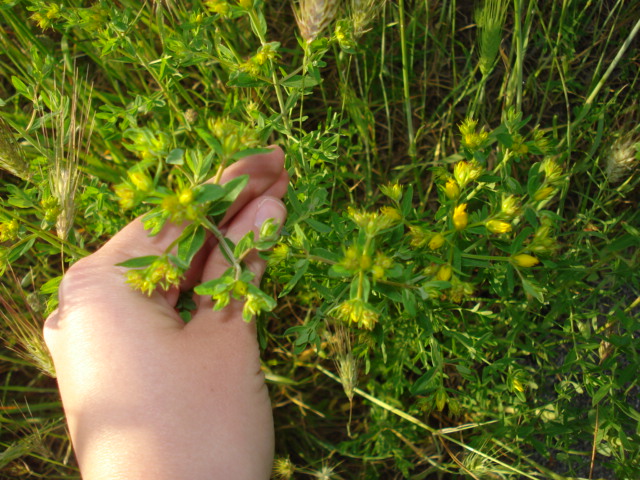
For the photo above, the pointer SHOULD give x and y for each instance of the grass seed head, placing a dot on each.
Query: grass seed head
(25, 328)
(363, 13)
(72, 124)
(313, 16)
(623, 159)
(490, 19)
(11, 157)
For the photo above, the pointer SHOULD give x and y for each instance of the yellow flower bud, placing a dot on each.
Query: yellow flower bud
(498, 226)
(240, 288)
(444, 273)
(552, 171)
(451, 189)
(436, 241)
(419, 236)
(460, 216)
(543, 193)
(525, 261)
(509, 205)
(126, 196)
(141, 181)
(465, 172)
(365, 262)
(393, 191)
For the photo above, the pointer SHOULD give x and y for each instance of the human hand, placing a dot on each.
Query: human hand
(147, 396)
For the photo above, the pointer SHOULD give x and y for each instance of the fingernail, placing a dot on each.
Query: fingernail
(270, 208)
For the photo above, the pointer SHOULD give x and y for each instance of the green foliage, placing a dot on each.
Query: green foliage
(461, 250)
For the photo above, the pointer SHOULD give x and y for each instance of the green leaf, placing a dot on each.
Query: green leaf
(300, 268)
(217, 285)
(176, 157)
(243, 79)
(299, 81)
(532, 289)
(138, 262)
(20, 86)
(535, 179)
(319, 226)
(249, 151)
(421, 385)
(210, 140)
(245, 244)
(189, 246)
(600, 394)
(209, 192)
(234, 187)
(51, 286)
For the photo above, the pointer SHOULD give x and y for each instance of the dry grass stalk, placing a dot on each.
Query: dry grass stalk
(313, 16)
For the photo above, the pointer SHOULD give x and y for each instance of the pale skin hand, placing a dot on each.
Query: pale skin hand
(146, 396)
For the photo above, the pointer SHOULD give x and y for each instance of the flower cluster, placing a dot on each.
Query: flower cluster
(358, 312)
(161, 272)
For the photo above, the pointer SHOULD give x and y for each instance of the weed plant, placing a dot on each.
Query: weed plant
(457, 282)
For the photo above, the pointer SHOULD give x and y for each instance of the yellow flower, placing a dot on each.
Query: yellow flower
(391, 213)
(451, 189)
(279, 253)
(460, 216)
(498, 226)
(517, 385)
(436, 241)
(465, 172)
(470, 138)
(525, 261)
(444, 273)
(9, 230)
(186, 197)
(217, 6)
(358, 312)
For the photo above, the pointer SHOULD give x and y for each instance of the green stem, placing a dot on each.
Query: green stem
(223, 245)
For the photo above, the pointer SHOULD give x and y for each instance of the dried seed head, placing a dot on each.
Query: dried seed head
(283, 469)
(313, 16)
